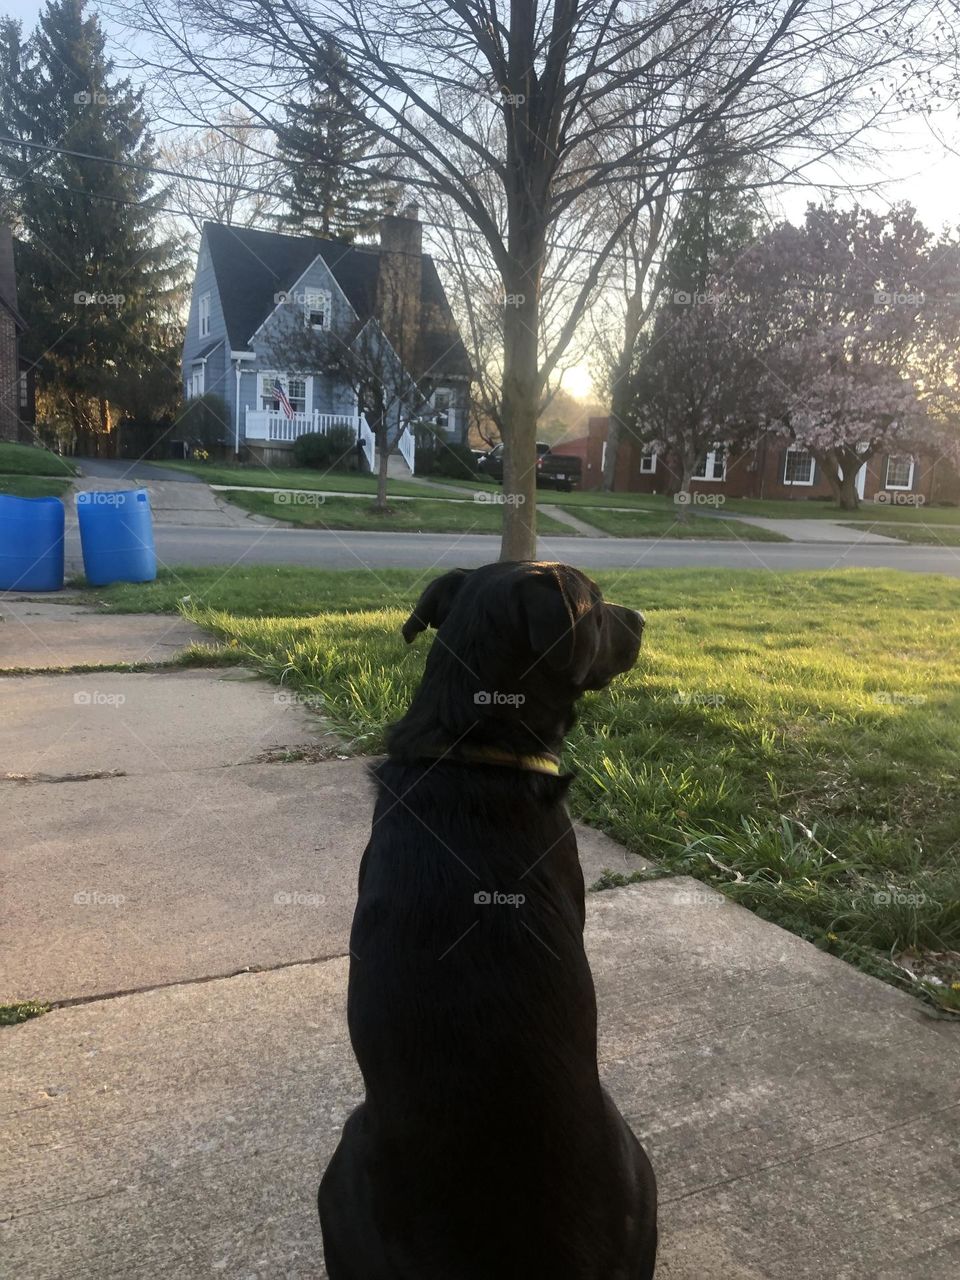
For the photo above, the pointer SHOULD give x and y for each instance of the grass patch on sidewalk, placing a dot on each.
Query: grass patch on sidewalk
(792, 739)
(417, 515)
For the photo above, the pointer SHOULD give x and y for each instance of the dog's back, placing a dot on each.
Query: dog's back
(473, 1018)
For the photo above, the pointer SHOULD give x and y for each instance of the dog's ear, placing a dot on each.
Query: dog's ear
(558, 607)
(434, 605)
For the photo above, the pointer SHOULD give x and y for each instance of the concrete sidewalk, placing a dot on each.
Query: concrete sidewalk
(190, 903)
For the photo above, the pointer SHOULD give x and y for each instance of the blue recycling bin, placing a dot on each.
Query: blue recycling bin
(31, 543)
(116, 536)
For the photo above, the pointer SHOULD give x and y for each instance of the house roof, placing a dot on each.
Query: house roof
(8, 277)
(251, 267)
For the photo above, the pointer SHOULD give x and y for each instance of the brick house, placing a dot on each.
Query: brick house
(250, 286)
(16, 383)
(773, 468)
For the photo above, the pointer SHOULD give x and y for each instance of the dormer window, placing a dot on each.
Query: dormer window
(203, 312)
(316, 308)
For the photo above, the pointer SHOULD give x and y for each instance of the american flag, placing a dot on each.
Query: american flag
(284, 399)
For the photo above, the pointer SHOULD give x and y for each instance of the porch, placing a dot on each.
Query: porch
(274, 430)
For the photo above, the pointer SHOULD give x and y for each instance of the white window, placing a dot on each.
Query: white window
(799, 467)
(24, 391)
(195, 382)
(295, 388)
(203, 311)
(899, 472)
(648, 464)
(442, 407)
(316, 308)
(714, 465)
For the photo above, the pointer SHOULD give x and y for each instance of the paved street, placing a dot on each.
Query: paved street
(253, 544)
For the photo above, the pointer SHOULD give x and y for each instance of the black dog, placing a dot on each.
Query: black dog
(486, 1148)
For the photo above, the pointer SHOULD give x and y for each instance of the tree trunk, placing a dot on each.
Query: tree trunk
(848, 497)
(521, 400)
(683, 498)
(613, 449)
(383, 460)
(841, 473)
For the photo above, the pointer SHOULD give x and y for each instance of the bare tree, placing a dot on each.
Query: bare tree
(237, 169)
(432, 74)
(369, 364)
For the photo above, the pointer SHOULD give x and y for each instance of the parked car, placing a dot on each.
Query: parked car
(554, 470)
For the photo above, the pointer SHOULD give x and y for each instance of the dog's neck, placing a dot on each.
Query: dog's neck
(456, 709)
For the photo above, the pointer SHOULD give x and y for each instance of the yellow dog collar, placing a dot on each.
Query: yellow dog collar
(508, 759)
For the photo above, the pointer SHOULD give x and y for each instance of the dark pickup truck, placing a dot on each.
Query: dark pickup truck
(554, 470)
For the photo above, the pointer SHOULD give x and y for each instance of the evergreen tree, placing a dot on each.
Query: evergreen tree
(323, 145)
(717, 219)
(95, 272)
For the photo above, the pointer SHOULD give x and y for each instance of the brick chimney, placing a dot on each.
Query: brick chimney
(399, 281)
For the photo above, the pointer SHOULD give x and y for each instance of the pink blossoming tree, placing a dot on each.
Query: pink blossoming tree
(857, 326)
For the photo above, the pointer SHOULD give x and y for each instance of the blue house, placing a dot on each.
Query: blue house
(251, 288)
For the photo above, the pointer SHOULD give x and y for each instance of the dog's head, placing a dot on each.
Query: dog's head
(529, 627)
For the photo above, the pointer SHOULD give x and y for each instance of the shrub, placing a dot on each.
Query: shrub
(455, 461)
(205, 422)
(335, 451)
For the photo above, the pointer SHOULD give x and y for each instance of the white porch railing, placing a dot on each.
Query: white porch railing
(276, 428)
(407, 446)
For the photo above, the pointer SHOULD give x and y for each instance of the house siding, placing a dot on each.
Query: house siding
(754, 472)
(325, 394)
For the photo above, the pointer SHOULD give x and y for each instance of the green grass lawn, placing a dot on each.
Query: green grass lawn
(294, 478)
(664, 524)
(793, 739)
(926, 534)
(26, 459)
(415, 516)
(26, 486)
(772, 508)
